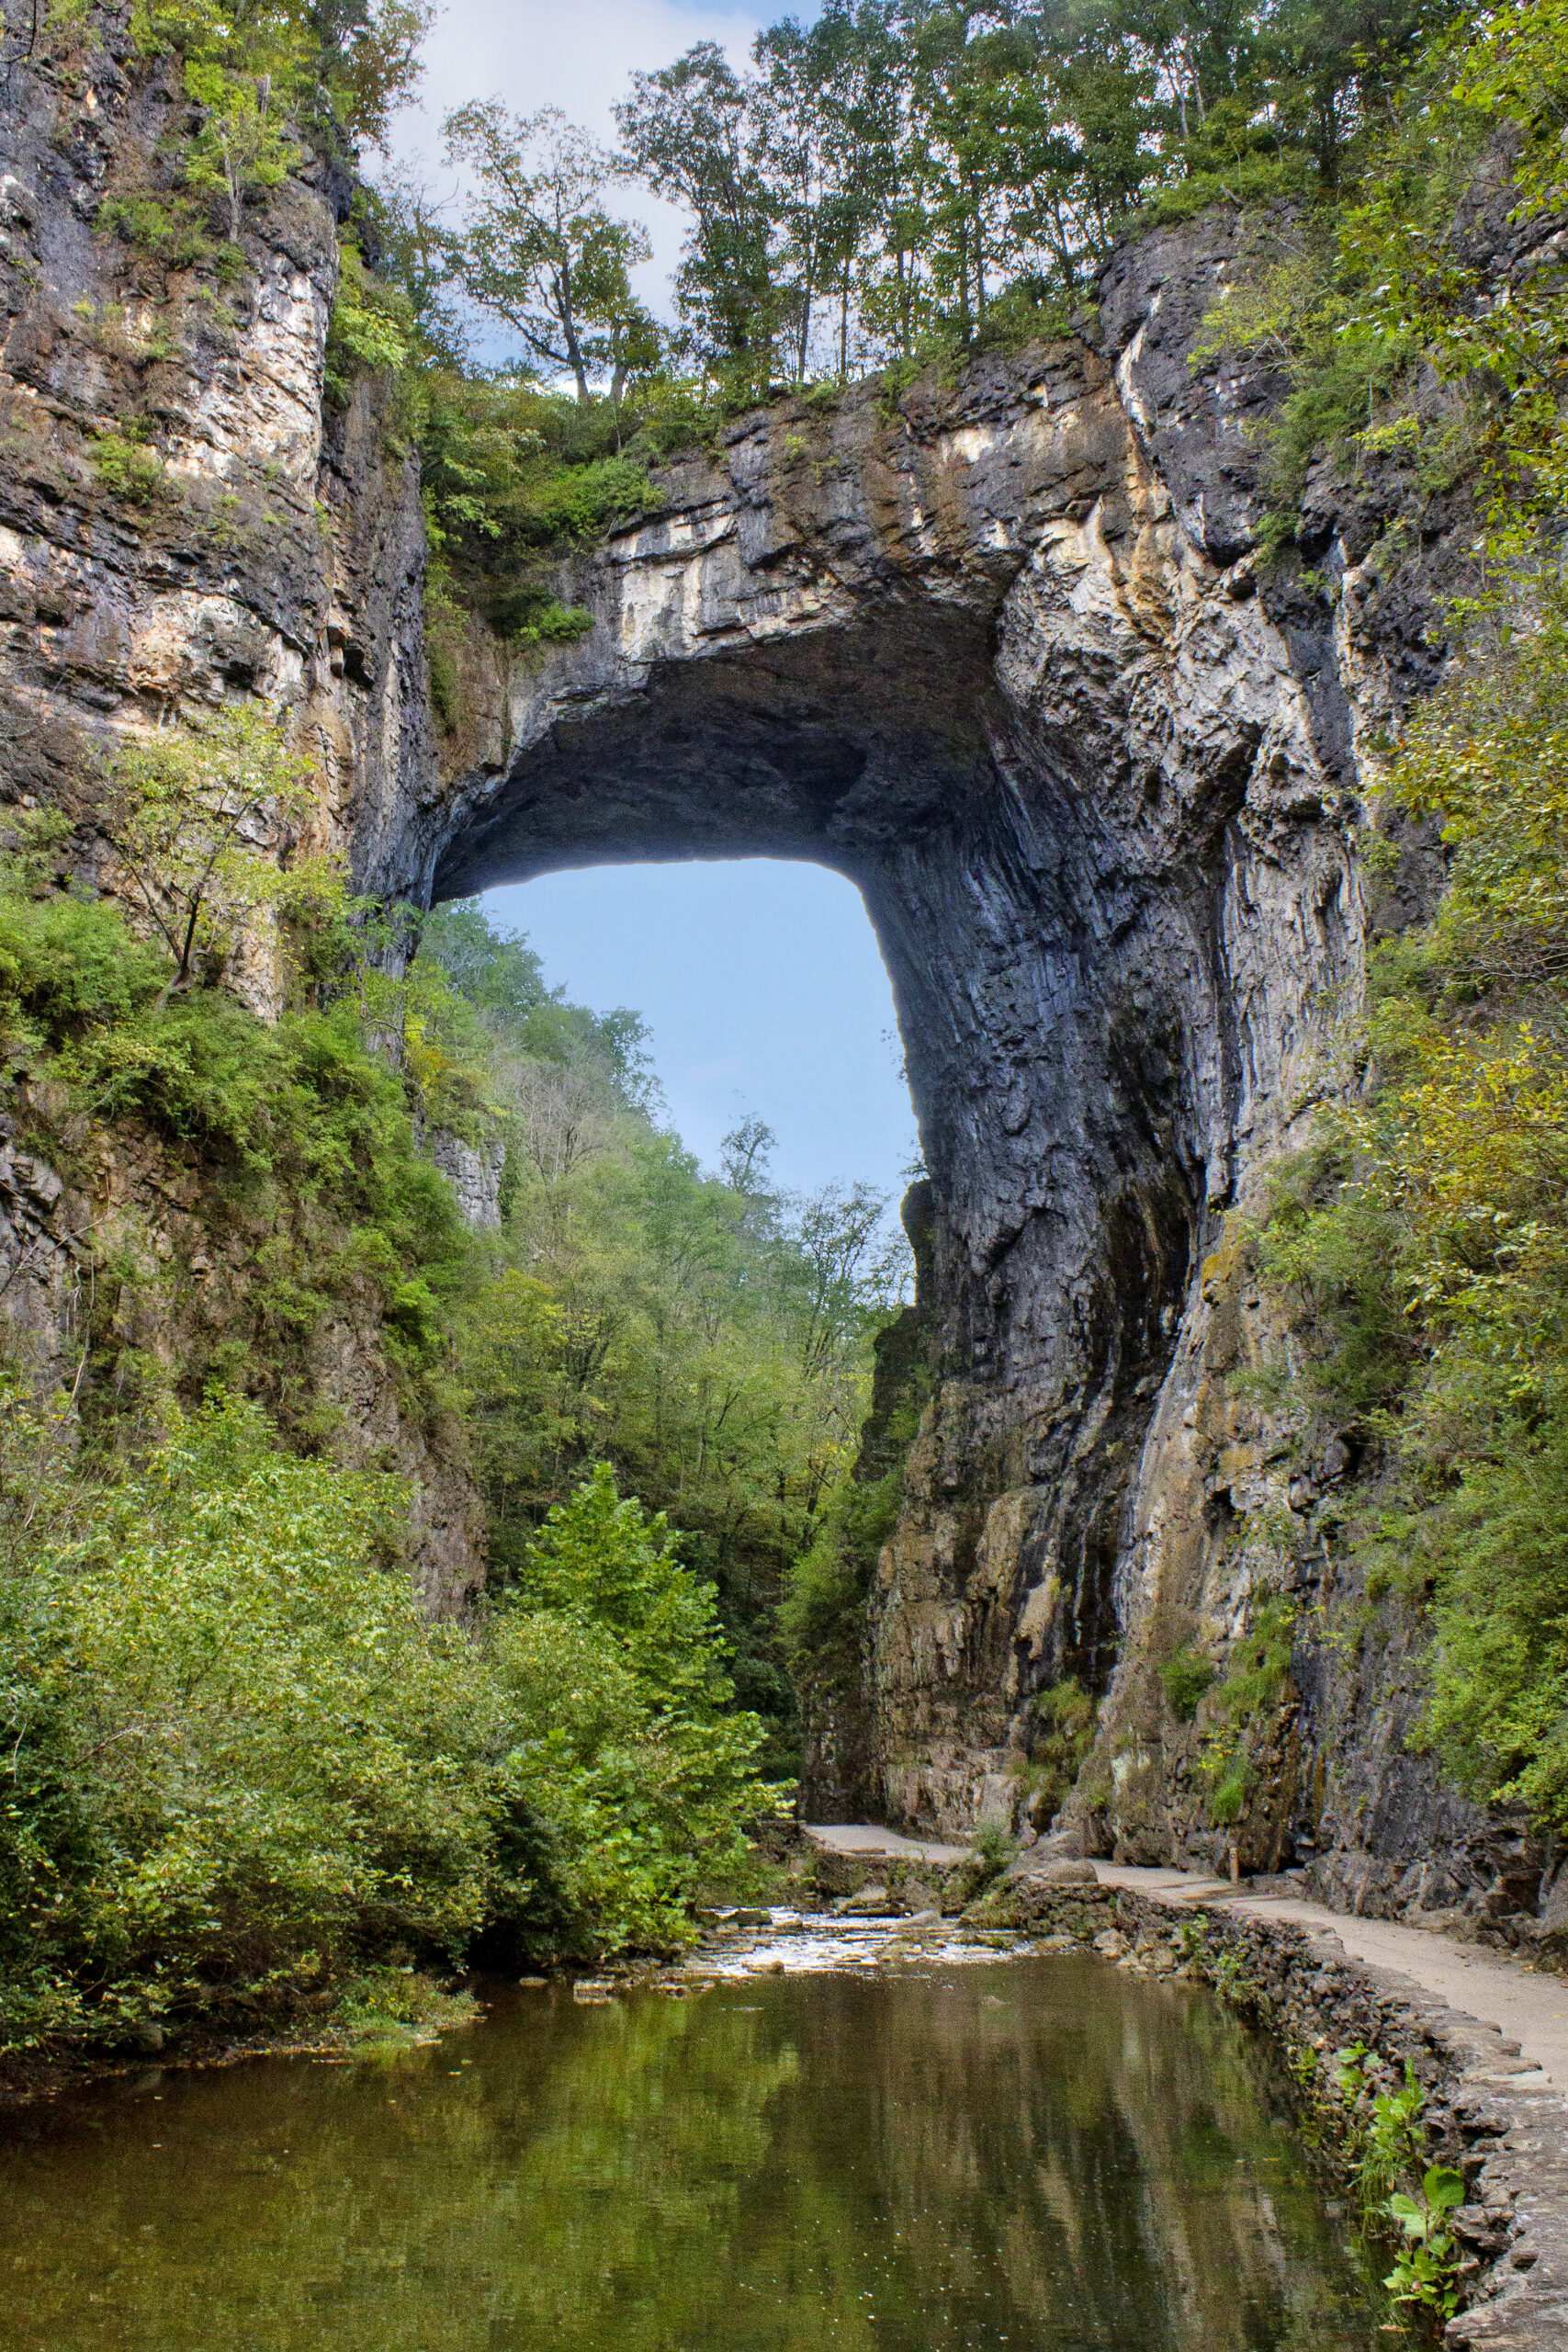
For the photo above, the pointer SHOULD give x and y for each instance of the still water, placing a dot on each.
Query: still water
(1044, 2155)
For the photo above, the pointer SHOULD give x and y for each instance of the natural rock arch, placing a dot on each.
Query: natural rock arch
(996, 649)
(976, 654)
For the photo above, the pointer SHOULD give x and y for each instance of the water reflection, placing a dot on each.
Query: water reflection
(1046, 2155)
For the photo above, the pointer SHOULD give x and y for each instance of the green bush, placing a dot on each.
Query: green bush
(67, 963)
(127, 468)
(173, 231)
(240, 1753)
(1184, 1679)
(1255, 1673)
(370, 327)
(244, 1767)
(822, 1616)
(303, 1137)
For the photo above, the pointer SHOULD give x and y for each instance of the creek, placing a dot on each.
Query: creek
(1040, 2153)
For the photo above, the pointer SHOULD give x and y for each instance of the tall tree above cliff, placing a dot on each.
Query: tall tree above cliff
(694, 132)
(538, 248)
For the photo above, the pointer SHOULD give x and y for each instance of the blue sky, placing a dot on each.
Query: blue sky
(766, 995)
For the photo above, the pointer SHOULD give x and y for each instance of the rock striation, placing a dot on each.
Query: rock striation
(1001, 652)
(270, 545)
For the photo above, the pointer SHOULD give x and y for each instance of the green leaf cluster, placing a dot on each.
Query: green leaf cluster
(1184, 1678)
(303, 1138)
(244, 1763)
(1255, 1673)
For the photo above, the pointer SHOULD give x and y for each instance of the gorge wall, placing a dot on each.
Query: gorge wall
(1001, 652)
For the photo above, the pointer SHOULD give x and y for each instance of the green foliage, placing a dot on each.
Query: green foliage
(1061, 1736)
(636, 1760)
(249, 1774)
(1255, 1673)
(822, 1617)
(894, 178)
(240, 149)
(1232, 1980)
(127, 468)
(1387, 2135)
(1388, 2127)
(513, 476)
(1184, 1679)
(303, 1136)
(991, 1851)
(1394, 348)
(244, 1763)
(1339, 366)
(370, 327)
(611, 1563)
(496, 978)
(236, 1742)
(172, 230)
(204, 823)
(539, 252)
(66, 965)
(340, 69)
(1425, 2269)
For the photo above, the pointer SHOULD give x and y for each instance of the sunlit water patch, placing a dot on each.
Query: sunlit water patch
(1046, 2154)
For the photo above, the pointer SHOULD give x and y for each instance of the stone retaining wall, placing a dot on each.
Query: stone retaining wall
(1489, 2112)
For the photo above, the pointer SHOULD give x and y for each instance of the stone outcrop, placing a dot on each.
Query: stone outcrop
(272, 546)
(1001, 652)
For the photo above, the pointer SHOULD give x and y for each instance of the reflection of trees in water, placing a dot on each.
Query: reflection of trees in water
(539, 2196)
(1056, 2156)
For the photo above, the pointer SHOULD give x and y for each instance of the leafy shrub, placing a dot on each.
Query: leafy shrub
(1062, 1736)
(244, 1766)
(127, 468)
(66, 964)
(1184, 1679)
(1425, 2269)
(1255, 1675)
(238, 1748)
(370, 326)
(992, 1850)
(822, 1617)
(298, 1128)
(171, 229)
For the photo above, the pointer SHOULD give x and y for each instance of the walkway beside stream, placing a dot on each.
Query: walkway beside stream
(1528, 2007)
(1525, 2007)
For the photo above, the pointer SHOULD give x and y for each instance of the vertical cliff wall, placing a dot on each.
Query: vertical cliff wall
(1001, 652)
(185, 522)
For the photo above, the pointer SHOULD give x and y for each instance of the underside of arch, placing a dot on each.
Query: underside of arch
(991, 673)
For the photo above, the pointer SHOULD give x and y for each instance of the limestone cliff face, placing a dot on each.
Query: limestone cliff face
(276, 551)
(999, 651)
(1000, 654)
